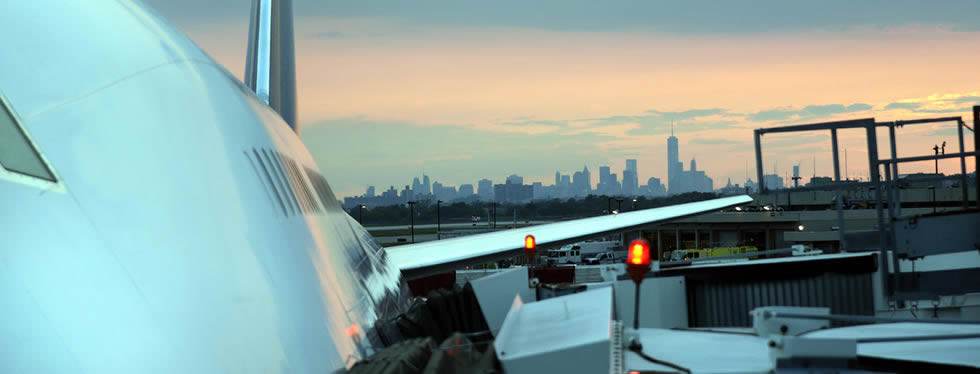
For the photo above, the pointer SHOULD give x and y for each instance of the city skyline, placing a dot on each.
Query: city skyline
(471, 90)
(573, 185)
(512, 189)
(627, 183)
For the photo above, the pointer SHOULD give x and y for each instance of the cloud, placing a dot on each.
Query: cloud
(910, 106)
(967, 100)
(789, 141)
(690, 114)
(683, 127)
(824, 110)
(937, 103)
(655, 122)
(531, 122)
(946, 131)
(711, 141)
(858, 107)
(617, 130)
(946, 110)
(809, 111)
(771, 115)
(530, 129)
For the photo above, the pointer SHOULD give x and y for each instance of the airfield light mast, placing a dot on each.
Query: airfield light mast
(411, 214)
(438, 221)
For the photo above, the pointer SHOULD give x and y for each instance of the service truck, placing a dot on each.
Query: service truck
(573, 253)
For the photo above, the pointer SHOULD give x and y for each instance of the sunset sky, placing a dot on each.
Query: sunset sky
(467, 90)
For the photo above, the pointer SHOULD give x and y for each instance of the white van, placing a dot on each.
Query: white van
(568, 254)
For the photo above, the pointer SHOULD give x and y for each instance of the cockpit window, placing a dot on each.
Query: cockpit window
(16, 152)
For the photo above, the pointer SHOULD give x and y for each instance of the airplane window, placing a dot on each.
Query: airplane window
(16, 152)
(294, 184)
(320, 185)
(286, 188)
(304, 189)
(268, 178)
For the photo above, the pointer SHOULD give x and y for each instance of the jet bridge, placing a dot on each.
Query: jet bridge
(899, 237)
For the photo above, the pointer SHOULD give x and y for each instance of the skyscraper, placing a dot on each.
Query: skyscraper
(484, 188)
(673, 164)
(407, 194)
(630, 180)
(581, 185)
(445, 193)
(557, 178)
(426, 187)
(588, 179)
(605, 186)
(679, 180)
(465, 190)
(515, 179)
(436, 189)
(578, 183)
(773, 182)
(655, 188)
(417, 186)
(603, 174)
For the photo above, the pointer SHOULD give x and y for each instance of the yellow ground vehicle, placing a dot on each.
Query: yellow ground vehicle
(690, 254)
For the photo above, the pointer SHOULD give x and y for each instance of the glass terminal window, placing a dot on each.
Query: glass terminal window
(16, 152)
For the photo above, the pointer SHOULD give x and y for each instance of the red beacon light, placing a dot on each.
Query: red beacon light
(639, 252)
(530, 246)
(638, 260)
(637, 265)
(530, 249)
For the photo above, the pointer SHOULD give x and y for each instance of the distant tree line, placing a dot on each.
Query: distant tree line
(550, 210)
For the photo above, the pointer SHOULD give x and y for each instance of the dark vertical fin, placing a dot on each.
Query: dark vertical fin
(270, 65)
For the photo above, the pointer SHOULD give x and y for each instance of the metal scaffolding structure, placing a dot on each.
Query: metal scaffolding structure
(884, 181)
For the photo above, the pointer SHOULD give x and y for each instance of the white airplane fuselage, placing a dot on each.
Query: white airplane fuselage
(177, 237)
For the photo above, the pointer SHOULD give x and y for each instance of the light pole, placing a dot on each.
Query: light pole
(936, 149)
(619, 204)
(438, 221)
(609, 204)
(634, 203)
(411, 214)
(493, 210)
(360, 213)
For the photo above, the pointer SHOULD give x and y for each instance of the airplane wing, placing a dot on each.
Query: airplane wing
(423, 259)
